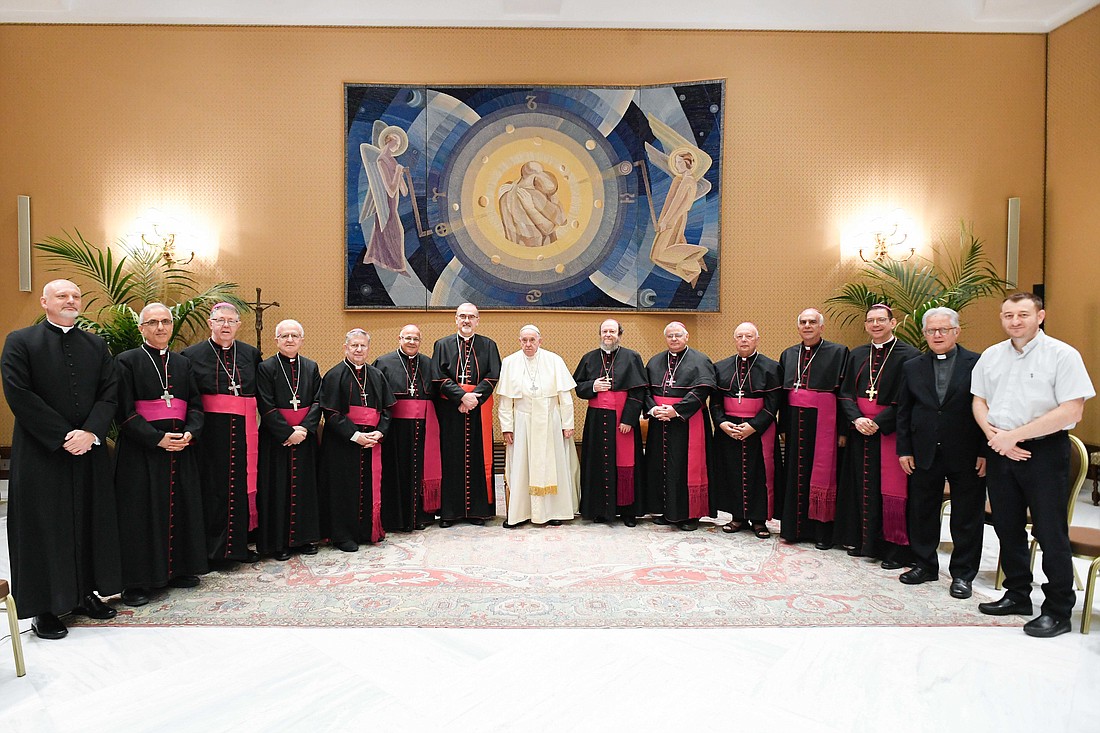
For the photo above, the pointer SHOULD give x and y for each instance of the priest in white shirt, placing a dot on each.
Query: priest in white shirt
(535, 408)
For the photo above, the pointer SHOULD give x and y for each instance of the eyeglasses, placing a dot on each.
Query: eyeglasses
(411, 339)
(939, 331)
(675, 335)
(877, 321)
(466, 317)
(166, 322)
(288, 336)
(225, 321)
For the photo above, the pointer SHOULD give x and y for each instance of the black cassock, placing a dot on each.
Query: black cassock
(859, 502)
(672, 478)
(466, 438)
(403, 450)
(286, 495)
(740, 468)
(819, 368)
(351, 508)
(223, 447)
(601, 478)
(62, 521)
(160, 516)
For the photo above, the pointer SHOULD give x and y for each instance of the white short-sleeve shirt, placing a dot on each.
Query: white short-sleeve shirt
(1022, 386)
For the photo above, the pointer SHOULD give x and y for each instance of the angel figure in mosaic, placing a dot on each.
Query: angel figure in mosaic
(686, 164)
(387, 181)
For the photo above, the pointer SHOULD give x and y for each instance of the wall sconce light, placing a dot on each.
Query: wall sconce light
(888, 234)
(165, 243)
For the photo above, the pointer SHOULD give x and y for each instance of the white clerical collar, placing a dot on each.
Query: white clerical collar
(948, 355)
(64, 329)
(746, 358)
(154, 348)
(884, 343)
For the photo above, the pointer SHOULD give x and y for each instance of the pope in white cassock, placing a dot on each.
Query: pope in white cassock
(535, 408)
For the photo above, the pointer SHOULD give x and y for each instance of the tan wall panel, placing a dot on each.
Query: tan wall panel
(241, 129)
(1073, 196)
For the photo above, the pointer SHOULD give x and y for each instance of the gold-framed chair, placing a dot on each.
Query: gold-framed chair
(1084, 543)
(13, 625)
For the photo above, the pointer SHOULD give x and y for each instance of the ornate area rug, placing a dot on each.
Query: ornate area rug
(578, 575)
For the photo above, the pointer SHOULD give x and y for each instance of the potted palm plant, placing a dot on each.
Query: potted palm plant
(913, 286)
(121, 285)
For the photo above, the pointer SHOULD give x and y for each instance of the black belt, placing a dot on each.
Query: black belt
(1059, 434)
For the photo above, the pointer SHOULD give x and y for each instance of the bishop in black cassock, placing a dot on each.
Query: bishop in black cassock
(677, 486)
(811, 425)
(226, 373)
(157, 471)
(871, 500)
(745, 456)
(356, 401)
(411, 468)
(61, 385)
(467, 369)
(288, 391)
(612, 379)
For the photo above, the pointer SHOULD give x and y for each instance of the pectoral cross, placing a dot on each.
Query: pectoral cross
(871, 392)
(797, 384)
(412, 390)
(671, 382)
(739, 395)
(294, 402)
(461, 377)
(234, 388)
(167, 397)
(363, 398)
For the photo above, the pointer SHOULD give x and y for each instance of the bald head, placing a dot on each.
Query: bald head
(61, 300)
(409, 339)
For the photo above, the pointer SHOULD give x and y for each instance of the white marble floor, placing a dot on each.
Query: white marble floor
(816, 679)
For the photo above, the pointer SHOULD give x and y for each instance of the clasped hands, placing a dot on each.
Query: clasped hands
(469, 403)
(78, 442)
(1004, 443)
(175, 442)
(865, 425)
(297, 436)
(663, 412)
(369, 440)
(737, 431)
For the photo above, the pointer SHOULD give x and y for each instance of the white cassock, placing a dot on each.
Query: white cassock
(541, 470)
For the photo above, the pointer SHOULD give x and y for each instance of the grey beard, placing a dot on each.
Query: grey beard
(606, 350)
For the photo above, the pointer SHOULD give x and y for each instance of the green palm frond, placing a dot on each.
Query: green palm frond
(916, 285)
(122, 285)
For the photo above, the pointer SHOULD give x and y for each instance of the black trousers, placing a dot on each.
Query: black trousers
(1040, 484)
(967, 517)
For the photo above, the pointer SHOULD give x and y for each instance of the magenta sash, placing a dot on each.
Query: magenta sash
(698, 485)
(245, 407)
(369, 417)
(156, 409)
(624, 444)
(892, 480)
(293, 417)
(432, 473)
(749, 408)
(823, 473)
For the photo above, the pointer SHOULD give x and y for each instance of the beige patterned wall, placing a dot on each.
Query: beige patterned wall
(239, 132)
(1073, 197)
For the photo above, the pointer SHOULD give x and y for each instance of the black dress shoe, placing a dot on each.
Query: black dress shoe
(1006, 607)
(554, 522)
(251, 557)
(135, 597)
(600, 520)
(1045, 626)
(92, 607)
(48, 626)
(661, 521)
(419, 526)
(477, 521)
(513, 525)
(823, 545)
(960, 588)
(630, 521)
(184, 581)
(310, 548)
(688, 526)
(918, 575)
(445, 523)
(891, 565)
(282, 555)
(855, 552)
(346, 546)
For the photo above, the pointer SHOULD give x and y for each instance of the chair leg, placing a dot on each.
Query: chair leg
(16, 641)
(1090, 588)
